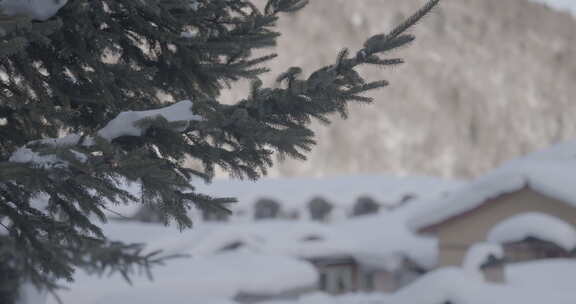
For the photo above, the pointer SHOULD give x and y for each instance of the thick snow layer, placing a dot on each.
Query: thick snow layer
(550, 172)
(342, 192)
(35, 9)
(537, 225)
(125, 123)
(380, 241)
(28, 294)
(185, 281)
(199, 279)
(552, 274)
(549, 281)
(269, 259)
(478, 255)
(214, 278)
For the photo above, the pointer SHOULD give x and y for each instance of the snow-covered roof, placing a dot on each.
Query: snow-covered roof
(537, 225)
(548, 281)
(199, 279)
(295, 193)
(380, 241)
(550, 172)
(370, 238)
(217, 278)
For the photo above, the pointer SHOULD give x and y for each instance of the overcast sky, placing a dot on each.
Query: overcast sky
(561, 4)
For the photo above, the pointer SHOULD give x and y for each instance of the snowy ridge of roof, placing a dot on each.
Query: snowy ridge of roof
(466, 199)
(534, 224)
(551, 172)
(340, 191)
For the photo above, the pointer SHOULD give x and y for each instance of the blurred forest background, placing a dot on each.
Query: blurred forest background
(485, 81)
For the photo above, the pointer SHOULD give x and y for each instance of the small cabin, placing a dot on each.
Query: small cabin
(340, 274)
(458, 230)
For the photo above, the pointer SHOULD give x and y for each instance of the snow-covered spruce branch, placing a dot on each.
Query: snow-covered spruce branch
(33, 9)
(125, 124)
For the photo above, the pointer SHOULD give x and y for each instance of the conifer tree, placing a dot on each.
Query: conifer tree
(98, 93)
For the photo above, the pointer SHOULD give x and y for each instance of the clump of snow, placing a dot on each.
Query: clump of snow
(198, 280)
(537, 225)
(194, 5)
(29, 294)
(125, 124)
(479, 254)
(35, 9)
(26, 155)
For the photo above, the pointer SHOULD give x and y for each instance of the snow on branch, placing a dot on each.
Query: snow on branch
(125, 124)
(35, 9)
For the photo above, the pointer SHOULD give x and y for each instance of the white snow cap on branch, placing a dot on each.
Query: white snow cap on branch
(537, 225)
(125, 123)
(35, 9)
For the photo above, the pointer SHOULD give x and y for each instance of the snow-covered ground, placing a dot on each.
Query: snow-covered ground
(549, 281)
(269, 264)
(268, 261)
(216, 277)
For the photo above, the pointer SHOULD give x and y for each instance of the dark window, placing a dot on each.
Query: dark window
(319, 209)
(322, 281)
(369, 281)
(365, 205)
(266, 208)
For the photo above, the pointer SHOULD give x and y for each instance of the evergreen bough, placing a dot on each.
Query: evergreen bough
(74, 73)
